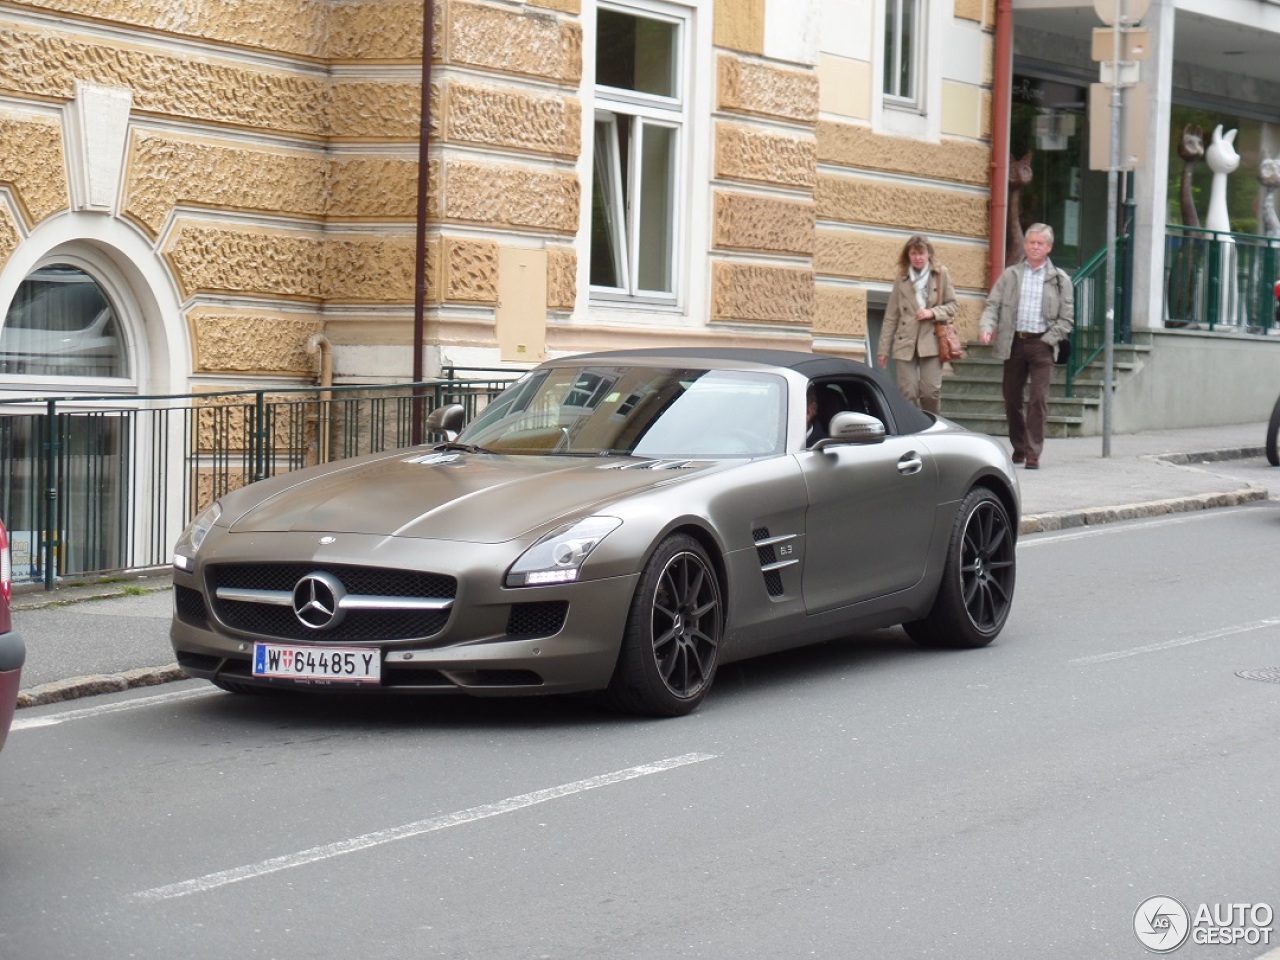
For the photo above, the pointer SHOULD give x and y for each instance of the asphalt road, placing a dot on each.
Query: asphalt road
(863, 798)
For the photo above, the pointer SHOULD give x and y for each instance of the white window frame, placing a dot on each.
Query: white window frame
(645, 112)
(894, 10)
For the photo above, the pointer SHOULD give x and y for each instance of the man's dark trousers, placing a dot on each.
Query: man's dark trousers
(1030, 358)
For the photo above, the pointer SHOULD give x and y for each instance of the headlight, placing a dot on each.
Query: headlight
(184, 551)
(557, 557)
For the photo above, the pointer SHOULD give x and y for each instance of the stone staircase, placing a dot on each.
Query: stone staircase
(971, 395)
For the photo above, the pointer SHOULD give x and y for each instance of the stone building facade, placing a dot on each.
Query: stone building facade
(238, 179)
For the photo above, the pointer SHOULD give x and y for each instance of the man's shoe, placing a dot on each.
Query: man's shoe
(1033, 464)
(1017, 457)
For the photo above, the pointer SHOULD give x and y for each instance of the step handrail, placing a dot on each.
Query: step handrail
(1088, 338)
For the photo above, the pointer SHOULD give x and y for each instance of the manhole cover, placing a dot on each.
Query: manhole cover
(1265, 674)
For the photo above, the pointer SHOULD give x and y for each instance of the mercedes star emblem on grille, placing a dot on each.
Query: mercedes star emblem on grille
(317, 600)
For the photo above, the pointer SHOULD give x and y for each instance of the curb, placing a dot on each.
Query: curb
(1044, 522)
(60, 690)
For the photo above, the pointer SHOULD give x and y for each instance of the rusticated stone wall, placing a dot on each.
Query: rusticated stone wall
(765, 156)
(562, 277)
(293, 265)
(471, 271)
(35, 172)
(8, 234)
(252, 342)
(762, 293)
(763, 208)
(861, 255)
(45, 65)
(509, 195)
(531, 43)
(508, 119)
(857, 147)
(747, 86)
(746, 221)
(840, 312)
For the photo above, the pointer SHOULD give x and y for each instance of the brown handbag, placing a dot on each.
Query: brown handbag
(949, 345)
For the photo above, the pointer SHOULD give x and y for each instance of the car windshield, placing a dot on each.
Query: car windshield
(637, 411)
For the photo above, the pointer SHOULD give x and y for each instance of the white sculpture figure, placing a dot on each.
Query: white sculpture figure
(1222, 159)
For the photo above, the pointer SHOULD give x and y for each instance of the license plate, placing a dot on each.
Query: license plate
(335, 664)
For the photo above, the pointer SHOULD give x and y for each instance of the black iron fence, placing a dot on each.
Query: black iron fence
(92, 486)
(1220, 280)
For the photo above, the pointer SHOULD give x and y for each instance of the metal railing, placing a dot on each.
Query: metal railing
(93, 486)
(1088, 336)
(1220, 280)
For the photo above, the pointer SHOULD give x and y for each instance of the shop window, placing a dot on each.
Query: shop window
(61, 324)
(1246, 196)
(1049, 176)
(904, 26)
(640, 119)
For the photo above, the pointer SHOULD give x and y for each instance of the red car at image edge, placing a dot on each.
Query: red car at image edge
(12, 649)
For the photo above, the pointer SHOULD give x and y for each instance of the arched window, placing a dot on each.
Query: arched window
(62, 324)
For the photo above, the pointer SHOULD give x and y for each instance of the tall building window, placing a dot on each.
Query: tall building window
(903, 51)
(639, 124)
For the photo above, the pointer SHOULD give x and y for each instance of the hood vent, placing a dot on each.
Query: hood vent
(432, 458)
(653, 465)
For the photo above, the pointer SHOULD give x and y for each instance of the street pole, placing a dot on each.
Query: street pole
(1109, 324)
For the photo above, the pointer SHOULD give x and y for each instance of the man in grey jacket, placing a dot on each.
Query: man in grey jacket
(1029, 310)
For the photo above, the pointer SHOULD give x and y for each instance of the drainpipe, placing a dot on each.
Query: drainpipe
(1001, 110)
(420, 263)
(319, 343)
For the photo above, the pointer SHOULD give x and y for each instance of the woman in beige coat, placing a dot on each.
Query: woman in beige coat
(922, 297)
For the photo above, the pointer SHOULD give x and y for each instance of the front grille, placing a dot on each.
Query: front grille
(542, 619)
(271, 620)
(188, 604)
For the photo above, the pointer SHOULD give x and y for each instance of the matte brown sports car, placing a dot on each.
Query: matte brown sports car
(619, 522)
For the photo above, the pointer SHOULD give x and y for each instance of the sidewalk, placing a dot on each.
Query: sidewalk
(114, 636)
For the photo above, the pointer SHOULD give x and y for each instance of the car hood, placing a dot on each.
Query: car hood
(477, 498)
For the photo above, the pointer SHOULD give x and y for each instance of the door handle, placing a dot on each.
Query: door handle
(910, 464)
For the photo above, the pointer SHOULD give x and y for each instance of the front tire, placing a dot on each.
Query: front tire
(976, 592)
(671, 645)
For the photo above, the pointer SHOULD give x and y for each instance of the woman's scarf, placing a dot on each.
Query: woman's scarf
(921, 282)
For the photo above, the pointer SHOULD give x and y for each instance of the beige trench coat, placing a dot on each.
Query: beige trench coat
(903, 336)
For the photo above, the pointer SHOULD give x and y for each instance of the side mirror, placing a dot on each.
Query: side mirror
(849, 427)
(449, 420)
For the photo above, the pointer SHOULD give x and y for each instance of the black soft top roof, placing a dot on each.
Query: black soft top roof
(816, 366)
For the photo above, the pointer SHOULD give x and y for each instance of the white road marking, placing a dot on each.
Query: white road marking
(1179, 641)
(212, 881)
(53, 719)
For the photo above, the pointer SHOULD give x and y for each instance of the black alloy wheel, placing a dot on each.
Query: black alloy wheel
(976, 592)
(672, 643)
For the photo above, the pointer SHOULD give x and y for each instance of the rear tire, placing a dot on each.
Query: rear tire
(1273, 428)
(671, 645)
(976, 592)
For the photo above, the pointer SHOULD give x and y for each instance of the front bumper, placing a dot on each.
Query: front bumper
(490, 645)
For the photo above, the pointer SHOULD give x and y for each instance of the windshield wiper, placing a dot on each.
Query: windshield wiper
(461, 447)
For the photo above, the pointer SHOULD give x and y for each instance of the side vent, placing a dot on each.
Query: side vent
(770, 566)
